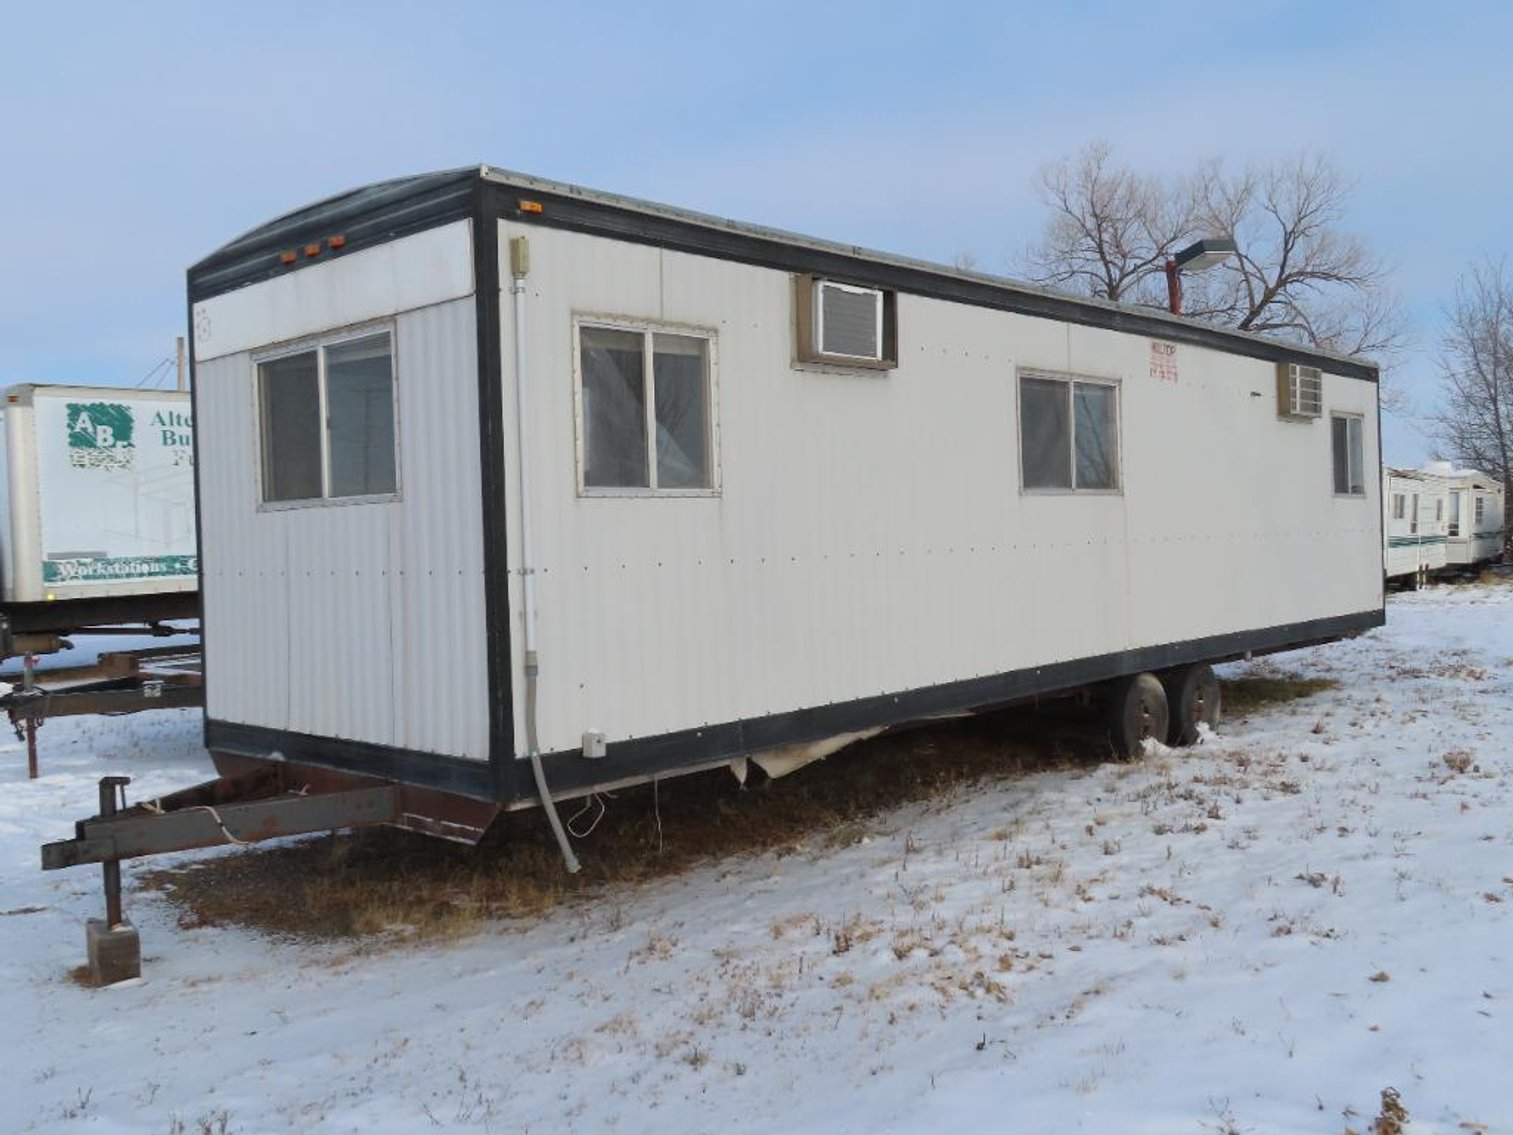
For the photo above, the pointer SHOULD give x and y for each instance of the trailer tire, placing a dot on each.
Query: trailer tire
(1192, 698)
(1137, 712)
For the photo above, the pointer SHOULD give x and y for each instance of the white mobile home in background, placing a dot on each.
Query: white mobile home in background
(503, 473)
(1475, 511)
(1416, 504)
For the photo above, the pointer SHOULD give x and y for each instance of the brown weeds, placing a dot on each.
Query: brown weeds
(1245, 695)
(385, 885)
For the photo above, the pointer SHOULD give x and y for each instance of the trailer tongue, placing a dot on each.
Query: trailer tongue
(268, 802)
(237, 810)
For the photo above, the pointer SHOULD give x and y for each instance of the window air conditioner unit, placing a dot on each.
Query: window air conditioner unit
(1300, 391)
(848, 320)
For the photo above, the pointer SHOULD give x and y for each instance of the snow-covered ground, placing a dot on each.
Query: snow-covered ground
(1259, 935)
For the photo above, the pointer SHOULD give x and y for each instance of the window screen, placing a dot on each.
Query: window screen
(614, 407)
(291, 428)
(360, 410)
(1045, 433)
(678, 365)
(1096, 436)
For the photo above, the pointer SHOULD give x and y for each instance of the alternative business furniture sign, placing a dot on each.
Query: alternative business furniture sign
(117, 496)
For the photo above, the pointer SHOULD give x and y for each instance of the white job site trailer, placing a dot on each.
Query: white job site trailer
(512, 491)
(1416, 503)
(96, 511)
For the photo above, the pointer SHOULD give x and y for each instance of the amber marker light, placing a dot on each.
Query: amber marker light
(531, 206)
(286, 258)
(337, 241)
(312, 249)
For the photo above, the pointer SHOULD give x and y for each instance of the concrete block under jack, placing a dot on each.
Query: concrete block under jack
(115, 952)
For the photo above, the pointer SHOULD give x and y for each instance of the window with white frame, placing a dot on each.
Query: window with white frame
(645, 408)
(1348, 454)
(327, 421)
(1480, 510)
(1068, 433)
(1454, 529)
(1398, 506)
(1413, 517)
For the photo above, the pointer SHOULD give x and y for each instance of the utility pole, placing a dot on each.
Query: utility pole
(179, 355)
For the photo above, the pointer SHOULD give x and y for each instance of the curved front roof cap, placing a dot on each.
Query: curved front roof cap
(351, 200)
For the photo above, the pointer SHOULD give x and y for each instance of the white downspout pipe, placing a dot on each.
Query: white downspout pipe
(520, 266)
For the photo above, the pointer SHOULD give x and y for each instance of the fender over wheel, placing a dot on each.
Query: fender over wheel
(1137, 711)
(1192, 698)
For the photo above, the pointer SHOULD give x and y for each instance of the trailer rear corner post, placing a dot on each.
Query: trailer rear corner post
(113, 945)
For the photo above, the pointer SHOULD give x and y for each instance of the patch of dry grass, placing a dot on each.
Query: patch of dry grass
(1251, 692)
(385, 885)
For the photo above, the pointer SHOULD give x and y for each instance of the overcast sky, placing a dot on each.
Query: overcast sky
(137, 138)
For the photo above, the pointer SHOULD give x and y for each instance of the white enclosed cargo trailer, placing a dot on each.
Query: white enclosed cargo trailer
(97, 517)
(502, 476)
(1417, 519)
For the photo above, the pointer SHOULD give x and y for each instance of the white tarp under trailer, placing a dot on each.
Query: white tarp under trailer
(513, 491)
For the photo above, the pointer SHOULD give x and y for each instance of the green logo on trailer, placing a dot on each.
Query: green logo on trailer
(100, 435)
(99, 425)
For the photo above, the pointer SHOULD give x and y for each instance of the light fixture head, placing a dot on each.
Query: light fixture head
(1205, 253)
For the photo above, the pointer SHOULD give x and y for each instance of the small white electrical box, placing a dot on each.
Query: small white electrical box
(593, 743)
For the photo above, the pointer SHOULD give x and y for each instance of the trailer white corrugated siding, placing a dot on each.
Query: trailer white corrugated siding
(870, 536)
(361, 621)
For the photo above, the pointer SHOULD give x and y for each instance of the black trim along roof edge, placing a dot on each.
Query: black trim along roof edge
(386, 210)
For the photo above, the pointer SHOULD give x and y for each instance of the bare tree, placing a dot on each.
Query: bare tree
(1476, 374)
(1297, 275)
(1110, 228)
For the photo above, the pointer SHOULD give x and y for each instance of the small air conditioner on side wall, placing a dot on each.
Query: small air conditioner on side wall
(1300, 391)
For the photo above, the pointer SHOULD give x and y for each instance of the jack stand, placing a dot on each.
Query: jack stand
(29, 684)
(114, 947)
